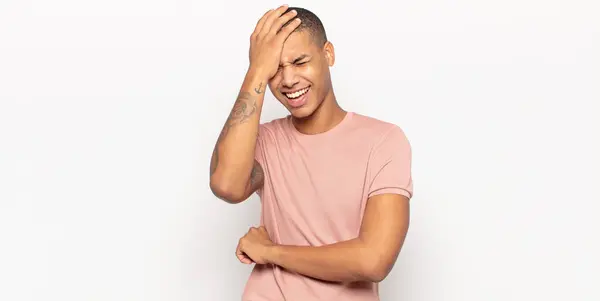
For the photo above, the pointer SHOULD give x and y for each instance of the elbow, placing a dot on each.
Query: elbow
(226, 192)
(376, 275)
(376, 269)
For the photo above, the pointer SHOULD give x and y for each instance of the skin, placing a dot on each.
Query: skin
(368, 257)
(287, 61)
(234, 174)
(306, 64)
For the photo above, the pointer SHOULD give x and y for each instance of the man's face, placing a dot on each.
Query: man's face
(303, 78)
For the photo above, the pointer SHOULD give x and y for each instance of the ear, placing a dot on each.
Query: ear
(329, 53)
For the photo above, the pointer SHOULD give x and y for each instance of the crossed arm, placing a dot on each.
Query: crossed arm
(369, 257)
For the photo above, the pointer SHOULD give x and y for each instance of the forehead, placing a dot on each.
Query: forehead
(298, 43)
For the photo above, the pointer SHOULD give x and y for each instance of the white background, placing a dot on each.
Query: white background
(109, 111)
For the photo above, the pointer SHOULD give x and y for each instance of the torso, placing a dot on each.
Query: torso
(314, 193)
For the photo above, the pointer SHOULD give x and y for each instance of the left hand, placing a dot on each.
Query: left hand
(254, 247)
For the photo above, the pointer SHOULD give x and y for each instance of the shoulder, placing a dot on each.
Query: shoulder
(378, 131)
(272, 128)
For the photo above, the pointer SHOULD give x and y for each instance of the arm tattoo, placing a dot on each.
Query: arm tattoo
(258, 90)
(243, 109)
(215, 161)
(257, 174)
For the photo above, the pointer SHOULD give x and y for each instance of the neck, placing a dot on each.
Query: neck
(324, 118)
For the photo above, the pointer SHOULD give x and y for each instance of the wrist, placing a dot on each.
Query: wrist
(258, 74)
(273, 254)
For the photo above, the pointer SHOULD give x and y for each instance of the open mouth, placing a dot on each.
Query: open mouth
(297, 98)
(296, 94)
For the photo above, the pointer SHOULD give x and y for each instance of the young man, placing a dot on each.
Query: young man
(334, 185)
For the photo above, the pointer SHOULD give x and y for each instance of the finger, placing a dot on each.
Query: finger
(285, 32)
(261, 22)
(282, 21)
(270, 19)
(243, 258)
(240, 255)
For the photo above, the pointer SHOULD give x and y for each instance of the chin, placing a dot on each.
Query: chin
(301, 112)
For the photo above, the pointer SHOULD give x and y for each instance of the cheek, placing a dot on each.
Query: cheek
(317, 73)
(310, 72)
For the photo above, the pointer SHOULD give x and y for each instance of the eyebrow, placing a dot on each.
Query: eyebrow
(298, 59)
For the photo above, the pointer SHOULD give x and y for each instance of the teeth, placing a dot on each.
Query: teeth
(296, 94)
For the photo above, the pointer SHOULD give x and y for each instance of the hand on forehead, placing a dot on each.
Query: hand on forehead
(297, 47)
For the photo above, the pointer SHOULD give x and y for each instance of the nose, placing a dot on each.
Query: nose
(289, 78)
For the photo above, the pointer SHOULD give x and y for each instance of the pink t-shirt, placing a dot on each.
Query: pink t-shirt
(315, 191)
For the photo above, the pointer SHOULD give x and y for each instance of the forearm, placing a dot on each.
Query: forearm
(233, 156)
(346, 261)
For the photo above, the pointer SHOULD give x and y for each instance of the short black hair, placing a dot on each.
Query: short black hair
(311, 23)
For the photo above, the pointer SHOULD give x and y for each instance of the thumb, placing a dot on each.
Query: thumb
(242, 257)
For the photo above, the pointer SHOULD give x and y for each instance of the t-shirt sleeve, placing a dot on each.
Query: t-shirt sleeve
(390, 165)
